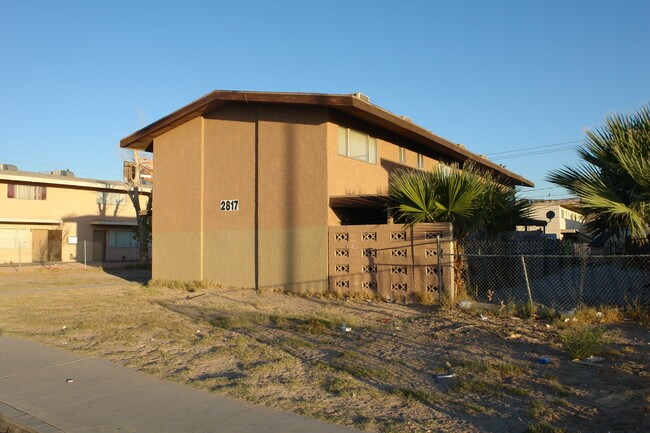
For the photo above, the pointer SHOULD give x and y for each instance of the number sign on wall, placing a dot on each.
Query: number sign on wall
(229, 205)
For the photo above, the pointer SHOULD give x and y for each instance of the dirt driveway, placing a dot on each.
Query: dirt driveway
(378, 366)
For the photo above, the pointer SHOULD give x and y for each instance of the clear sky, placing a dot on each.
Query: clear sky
(498, 76)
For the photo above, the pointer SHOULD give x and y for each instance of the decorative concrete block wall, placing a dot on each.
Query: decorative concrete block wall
(392, 260)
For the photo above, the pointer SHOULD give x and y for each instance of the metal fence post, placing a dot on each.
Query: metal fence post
(20, 256)
(441, 284)
(530, 295)
(85, 266)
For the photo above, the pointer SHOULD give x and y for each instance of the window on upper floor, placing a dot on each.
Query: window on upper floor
(357, 145)
(112, 198)
(26, 192)
(402, 155)
(420, 160)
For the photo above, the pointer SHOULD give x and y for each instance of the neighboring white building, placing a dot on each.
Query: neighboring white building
(564, 220)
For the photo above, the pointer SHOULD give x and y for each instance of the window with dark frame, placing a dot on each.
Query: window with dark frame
(26, 192)
(357, 145)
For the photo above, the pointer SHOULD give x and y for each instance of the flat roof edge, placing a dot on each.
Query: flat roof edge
(26, 177)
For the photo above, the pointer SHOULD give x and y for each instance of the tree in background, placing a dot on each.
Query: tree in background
(137, 167)
(473, 200)
(613, 180)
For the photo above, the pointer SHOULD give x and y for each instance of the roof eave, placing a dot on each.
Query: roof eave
(350, 104)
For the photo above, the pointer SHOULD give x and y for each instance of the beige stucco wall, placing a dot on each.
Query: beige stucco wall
(213, 158)
(228, 252)
(293, 197)
(176, 221)
(76, 208)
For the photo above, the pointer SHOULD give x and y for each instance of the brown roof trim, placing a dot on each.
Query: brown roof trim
(349, 104)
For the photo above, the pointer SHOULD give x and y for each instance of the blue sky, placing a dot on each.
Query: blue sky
(498, 76)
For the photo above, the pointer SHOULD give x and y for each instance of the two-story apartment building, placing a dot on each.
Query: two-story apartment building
(562, 217)
(59, 217)
(247, 183)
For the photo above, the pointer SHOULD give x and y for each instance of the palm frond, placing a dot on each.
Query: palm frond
(613, 181)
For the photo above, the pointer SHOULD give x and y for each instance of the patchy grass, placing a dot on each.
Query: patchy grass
(557, 387)
(584, 341)
(472, 408)
(543, 428)
(289, 352)
(357, 365)
(186, 286)
(480, 365)
(521, 310)
(638, 312)
(538, 409)
(421, 395)
(592, 315)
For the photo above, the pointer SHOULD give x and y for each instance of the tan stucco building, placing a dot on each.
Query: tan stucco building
(247, 183)
(562, 218)
(59, 217)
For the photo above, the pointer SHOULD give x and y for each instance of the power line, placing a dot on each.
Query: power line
(541, 189)
(534, 147)
(540, 152)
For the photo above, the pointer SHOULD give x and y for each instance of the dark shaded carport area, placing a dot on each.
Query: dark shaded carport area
(361, 209)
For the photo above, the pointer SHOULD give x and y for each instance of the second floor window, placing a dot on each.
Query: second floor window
(357, 145)
(420, 160)
(26, 192)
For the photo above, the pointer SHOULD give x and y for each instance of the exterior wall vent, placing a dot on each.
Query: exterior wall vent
(66, 172)
(361, 96)
(8, 167)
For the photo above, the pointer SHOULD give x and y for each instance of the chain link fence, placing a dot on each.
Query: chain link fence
(557, 274)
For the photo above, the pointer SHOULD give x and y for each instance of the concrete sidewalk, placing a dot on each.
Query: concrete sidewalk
(36, 391)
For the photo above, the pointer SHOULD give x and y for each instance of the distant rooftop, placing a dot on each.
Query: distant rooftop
(63, 178)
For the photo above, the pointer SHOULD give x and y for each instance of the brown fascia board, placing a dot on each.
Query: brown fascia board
(349, 104)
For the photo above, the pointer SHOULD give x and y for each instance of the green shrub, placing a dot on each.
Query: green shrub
(584, 341)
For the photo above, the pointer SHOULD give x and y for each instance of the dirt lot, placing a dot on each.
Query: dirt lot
(291, 352)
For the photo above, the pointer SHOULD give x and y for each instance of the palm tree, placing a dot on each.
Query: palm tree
(471, 199)
(613, 180)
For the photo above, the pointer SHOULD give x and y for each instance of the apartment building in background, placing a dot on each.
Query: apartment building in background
(247, 183)
(58, 217)
(562, 217)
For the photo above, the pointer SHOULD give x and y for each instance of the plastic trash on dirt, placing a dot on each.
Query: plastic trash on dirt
(345, 328)
(591, 361)
(445, 376)
(465, 305)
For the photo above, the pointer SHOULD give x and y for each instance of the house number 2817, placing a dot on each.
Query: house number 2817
(229, 205)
